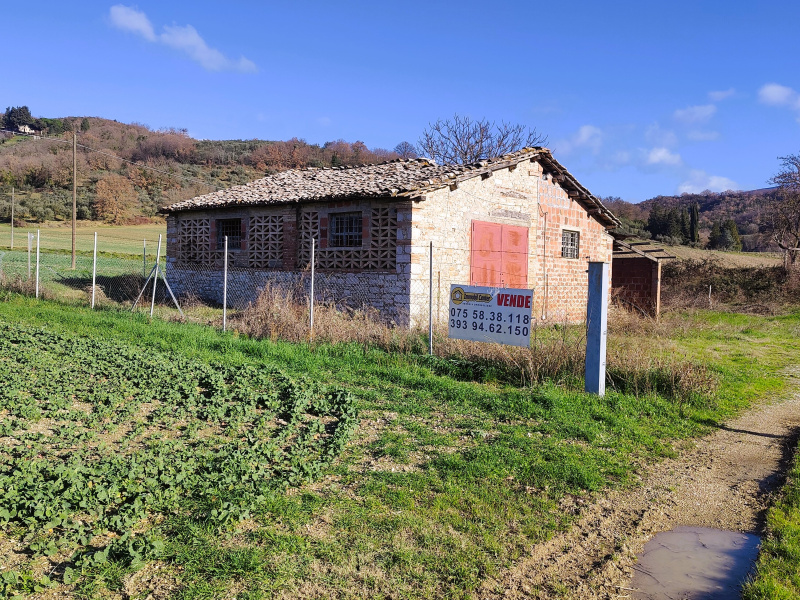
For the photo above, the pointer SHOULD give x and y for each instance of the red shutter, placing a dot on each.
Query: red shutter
(515, 257)
(499, 255)
(486, 261)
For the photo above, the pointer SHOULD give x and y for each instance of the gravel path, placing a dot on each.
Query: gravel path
(724, 482)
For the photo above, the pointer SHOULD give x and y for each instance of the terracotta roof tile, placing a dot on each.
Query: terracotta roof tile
(398, 178)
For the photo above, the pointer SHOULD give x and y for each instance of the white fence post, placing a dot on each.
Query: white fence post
(144, 257)
(155, 278)
(94, 269)
(430, 303)
(225, 289)
(311, 297)
(37, 263)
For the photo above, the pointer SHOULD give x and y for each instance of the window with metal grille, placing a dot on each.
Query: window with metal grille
(233, 229)
(570, 244)
(345, 230)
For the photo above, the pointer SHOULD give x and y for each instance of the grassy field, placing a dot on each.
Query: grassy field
(444, 483)
(726, 259)
(778, 567)
(117, 239)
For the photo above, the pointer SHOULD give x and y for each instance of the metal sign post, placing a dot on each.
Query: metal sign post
(596, 328)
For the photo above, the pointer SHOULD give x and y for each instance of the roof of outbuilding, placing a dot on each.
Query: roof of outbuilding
(394, 179)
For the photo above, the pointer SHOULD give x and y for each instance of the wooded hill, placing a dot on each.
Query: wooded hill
(154, 168)
(744, 208)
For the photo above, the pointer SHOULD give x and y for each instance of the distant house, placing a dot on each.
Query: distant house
(26, 130)
(520, 221)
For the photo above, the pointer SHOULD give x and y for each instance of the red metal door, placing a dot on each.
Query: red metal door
(499, 256)
(486, 262)
(515, 257)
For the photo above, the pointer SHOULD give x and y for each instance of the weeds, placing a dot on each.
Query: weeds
(556, 353)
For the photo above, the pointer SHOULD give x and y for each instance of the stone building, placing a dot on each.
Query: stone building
(520, 220)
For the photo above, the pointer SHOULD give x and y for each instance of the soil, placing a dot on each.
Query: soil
(724, 482)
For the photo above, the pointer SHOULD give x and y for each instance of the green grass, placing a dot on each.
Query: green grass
(777, 574)
(447, 481)
(112, 239)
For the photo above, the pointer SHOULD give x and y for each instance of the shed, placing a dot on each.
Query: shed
(520, 220)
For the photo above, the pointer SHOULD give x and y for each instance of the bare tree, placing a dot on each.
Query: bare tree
(461, 140)
(406, 150)
(783, 216)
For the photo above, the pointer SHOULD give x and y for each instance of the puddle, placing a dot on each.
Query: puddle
(694, 563)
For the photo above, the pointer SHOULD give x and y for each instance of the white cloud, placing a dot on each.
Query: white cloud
(128, 18)
(700, 181)
(719, 95)
(662, 156)
(657, 136)
(778, 95)
(698, 135)
(184, 38)
(587, 136)
(695, 114)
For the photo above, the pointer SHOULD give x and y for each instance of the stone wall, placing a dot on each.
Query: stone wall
(394, 278)
(522, 196)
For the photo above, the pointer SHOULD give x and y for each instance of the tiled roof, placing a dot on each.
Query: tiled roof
(393, 179)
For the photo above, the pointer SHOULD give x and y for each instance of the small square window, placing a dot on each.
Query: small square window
(570, 244)
(231, 228)
(345, 230)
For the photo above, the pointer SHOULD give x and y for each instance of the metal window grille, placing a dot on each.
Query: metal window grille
(233, 229)
(345, 230)
(570, 244)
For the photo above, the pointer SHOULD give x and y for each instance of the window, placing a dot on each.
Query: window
(231, 228)
(345, 230)
(570, 244)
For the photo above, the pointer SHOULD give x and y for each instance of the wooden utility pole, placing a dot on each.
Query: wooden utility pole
(74, 192)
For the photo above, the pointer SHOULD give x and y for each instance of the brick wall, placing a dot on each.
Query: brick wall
(636, 282)
(521, 196)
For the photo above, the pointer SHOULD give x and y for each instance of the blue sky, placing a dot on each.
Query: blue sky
(637, 98)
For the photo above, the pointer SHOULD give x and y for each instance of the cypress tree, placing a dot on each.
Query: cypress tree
(694, 224)
(736, 241)
(715, 238)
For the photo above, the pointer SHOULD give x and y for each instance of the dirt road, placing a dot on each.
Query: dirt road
(725, 482)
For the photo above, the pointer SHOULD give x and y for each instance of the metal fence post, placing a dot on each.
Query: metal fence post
(430, 303)
(596, 329)
(12, 218)
(155, 277)
(37, 263)
(225, 289)
(311, 298)
(144, 257)
(94, 269)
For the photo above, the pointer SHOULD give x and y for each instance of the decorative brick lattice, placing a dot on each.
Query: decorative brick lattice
(265, 242)
(194, 242)
(383, 239)
(308, 230)
(379, 255)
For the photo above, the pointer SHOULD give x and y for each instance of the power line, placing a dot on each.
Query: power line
(104, 153)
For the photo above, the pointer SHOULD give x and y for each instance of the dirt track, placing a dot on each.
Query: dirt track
(725, 481)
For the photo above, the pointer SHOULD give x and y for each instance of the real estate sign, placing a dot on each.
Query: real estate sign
(484, 314)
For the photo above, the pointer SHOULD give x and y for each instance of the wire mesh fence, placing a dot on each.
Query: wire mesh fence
(119, 271)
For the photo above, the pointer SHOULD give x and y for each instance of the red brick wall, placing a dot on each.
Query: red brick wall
(634, 281)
